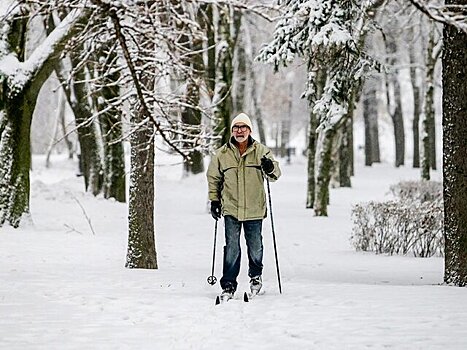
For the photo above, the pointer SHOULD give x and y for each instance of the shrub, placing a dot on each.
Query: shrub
(418, 190)
(403, 226)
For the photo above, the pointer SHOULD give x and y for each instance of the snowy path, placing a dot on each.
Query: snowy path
(65, 288)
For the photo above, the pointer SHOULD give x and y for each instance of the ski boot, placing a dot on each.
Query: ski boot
(255, 284)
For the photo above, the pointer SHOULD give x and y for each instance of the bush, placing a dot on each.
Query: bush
(418, 191)
(402, 226)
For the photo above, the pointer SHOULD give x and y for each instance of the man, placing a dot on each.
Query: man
(235, 178)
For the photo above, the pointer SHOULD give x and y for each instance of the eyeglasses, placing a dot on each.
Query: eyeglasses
(241, 127)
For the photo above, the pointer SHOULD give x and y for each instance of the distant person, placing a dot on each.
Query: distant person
(236, 191)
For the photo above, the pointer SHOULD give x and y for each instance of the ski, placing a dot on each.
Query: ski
(221, 299)
(247, 296)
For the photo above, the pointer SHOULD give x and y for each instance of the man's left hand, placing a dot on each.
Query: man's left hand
(267, 165)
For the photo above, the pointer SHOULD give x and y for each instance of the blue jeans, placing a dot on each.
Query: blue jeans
(232, 253)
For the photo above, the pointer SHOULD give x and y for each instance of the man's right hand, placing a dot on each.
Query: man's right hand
(216, 210)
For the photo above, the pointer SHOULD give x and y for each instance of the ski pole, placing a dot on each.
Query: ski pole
(212, 279)
(274, 236)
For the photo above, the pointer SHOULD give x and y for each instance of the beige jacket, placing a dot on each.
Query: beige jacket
(237, 181)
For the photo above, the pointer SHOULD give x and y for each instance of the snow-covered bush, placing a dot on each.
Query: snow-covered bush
(417, 190)
(411, 225)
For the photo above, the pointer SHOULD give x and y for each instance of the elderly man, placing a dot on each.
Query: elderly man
(235, 178)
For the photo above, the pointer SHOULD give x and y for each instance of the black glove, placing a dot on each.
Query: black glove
(216, 210)
(267, 165)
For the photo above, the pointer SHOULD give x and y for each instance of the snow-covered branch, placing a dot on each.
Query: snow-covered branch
(19, 73)
(454, 15)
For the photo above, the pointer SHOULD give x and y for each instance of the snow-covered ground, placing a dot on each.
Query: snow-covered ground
(64, 287)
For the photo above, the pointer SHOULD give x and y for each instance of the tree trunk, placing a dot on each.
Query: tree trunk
(395, 104)
(69, 144)
(60, 116)
(15, 156)
(110, 121)
(211, 49)
(77, 94)
(428, 137)
(90, 145)
(345, 151)
(313, 123)
(190, 115)
(454, 153)
(255, 98)
(240, 75)
(324, 161)
(141, 252)
(370, 118)
(193, 117)
(431, 122)
(398, 121)
(311, 153)
(416, 107)
(374, 128)
(222, 100)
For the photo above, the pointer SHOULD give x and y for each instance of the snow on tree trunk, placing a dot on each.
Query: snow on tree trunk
(454, 153)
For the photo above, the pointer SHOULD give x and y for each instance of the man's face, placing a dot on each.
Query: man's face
(240, 132)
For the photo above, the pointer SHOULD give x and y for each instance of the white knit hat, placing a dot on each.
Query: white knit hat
(242, 118)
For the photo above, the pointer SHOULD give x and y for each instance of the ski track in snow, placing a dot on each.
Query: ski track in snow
(65, 288)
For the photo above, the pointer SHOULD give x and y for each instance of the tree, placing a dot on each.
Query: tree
(433, 52)
(222, 99)
(370, 117)
(105, 90)
(152, 62)
(90, 78)
(417, 101)
(454, 60)
(192, 43)
(394, 102)
(20, 81)
(323, 31)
